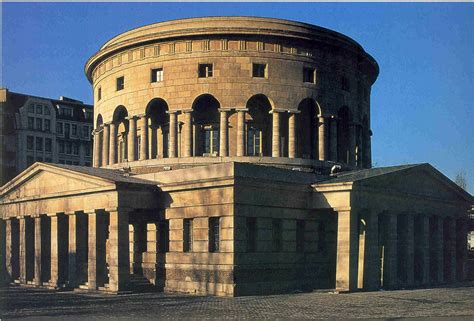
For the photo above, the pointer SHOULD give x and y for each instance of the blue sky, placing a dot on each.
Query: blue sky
(422, 102)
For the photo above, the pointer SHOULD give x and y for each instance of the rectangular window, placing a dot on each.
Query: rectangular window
(85, 131)
(29, 160)
(48, 144)
(31, 123)
(300, 230)
(120, 83)
(254, 137)
(259, 70)
(30, 142)
(74, 130)
(59, 128)
(67, 129)
(211, 141)
(39, 143)
(251, 234)
(39, 124)
(39, 109)
(205, 70)
(276, 234)
(187, 235)
(87, 164)
(214, 234)
(68, 162)
(31, 108)
(61, 161)
(157, 75)
(75, 163)
(48, 160)
(68, 148)
(87, 148)
(47, 125)
(67, 112)
(39, 158)
(47, 111)
(164, 236)
(309, 75)
(75, 148)
(99, 93)
(61, 147)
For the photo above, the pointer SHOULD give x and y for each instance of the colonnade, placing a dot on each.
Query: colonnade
(392, 250)
(326, 147)
(81, 249)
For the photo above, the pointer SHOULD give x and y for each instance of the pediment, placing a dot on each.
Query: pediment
(422, 180)
(45, 180)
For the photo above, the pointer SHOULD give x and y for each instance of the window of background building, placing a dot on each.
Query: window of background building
(251, 234)
(61, 161)
(67, 111)
(75, 163)
(29, 160)
(48, 144)
(74, 129)
(164, 236)
(87, 164)
(31, 108)
(87, 148)
(59, 128)
(309, 75)
(89, 114)
(39, 109)
(75, 148)
(99, 93)
(254, 137)
(211, 140)
(120, 83)
(48, 160)
(39, 158)
(39, 124)
(68, 148)
(157, 75)
(205, 70)
(187, 235)
(67, 128)
(61, 147)
(214, 234)
(47, 125)
(276, 234)
(31, 123)
(30, 142)
(259, 70)
(300, 230)
(68, 162)
(47, 111)
(85, 131)
(345, 83)
(39, 143)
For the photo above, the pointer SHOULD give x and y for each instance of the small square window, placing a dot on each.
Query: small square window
(309, 75)
(259, 70)
(99, 93)
(120, 83)
(205, 70)
(157, 75)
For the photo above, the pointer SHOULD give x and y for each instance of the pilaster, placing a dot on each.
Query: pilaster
(241, 131)
(276, 151)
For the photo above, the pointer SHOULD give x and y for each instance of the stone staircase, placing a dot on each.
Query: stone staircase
(139, 283)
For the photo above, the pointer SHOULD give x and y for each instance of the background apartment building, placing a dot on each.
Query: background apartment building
(44, 130)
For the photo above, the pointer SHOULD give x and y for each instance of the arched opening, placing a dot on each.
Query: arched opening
(121, 124)
(206, 125)
(343, 135)
(158, 128)
(259, 126)
(99, 121)
(99, 139)
(307, 137)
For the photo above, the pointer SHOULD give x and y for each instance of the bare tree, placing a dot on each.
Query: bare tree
(461, 179)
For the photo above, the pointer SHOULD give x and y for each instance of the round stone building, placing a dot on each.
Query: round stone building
(215, 145)
(208, 90)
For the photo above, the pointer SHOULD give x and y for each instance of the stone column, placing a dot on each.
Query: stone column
(439, 250)
(333, 135)
(132, 138)
(322, 138)
(346, 260)
(119, 255)
(96, 156)
(188, 133)
(55, 255)
(292, 135)
(352, 144)
(390, 277)
(112, 144)
(223, 144)
(173, 146)
(8, 249)
(105, 145)
(38, 250)
(276, 133)
(410, 248)
(73, 248)
(241, 131)
(425, 249)
(143, 123)
(92, 250)
(22, 250)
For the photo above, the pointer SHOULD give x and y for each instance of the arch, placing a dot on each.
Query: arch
(121, 122)
(259, 126)
(120, 113)
(307, 137)
(344, 117)
(158, 127)
(206, 125)
(99, 121)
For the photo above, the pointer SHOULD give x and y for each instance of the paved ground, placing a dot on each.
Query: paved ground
(37, 304)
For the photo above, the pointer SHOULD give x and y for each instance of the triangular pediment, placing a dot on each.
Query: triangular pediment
(46, 180)
(420, 180)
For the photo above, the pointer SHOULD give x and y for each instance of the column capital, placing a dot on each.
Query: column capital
(186, 111)
(277, 111)
(107, 123)
(241, 109)
(173, 112)
(225, 109)
(132, 117)
(141, 116)
(294, 111)
(119, 209)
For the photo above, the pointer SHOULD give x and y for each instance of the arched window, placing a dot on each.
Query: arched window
(259, 126)
(158, 127)
(206, 121)
(307, 137)
(121, 123)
